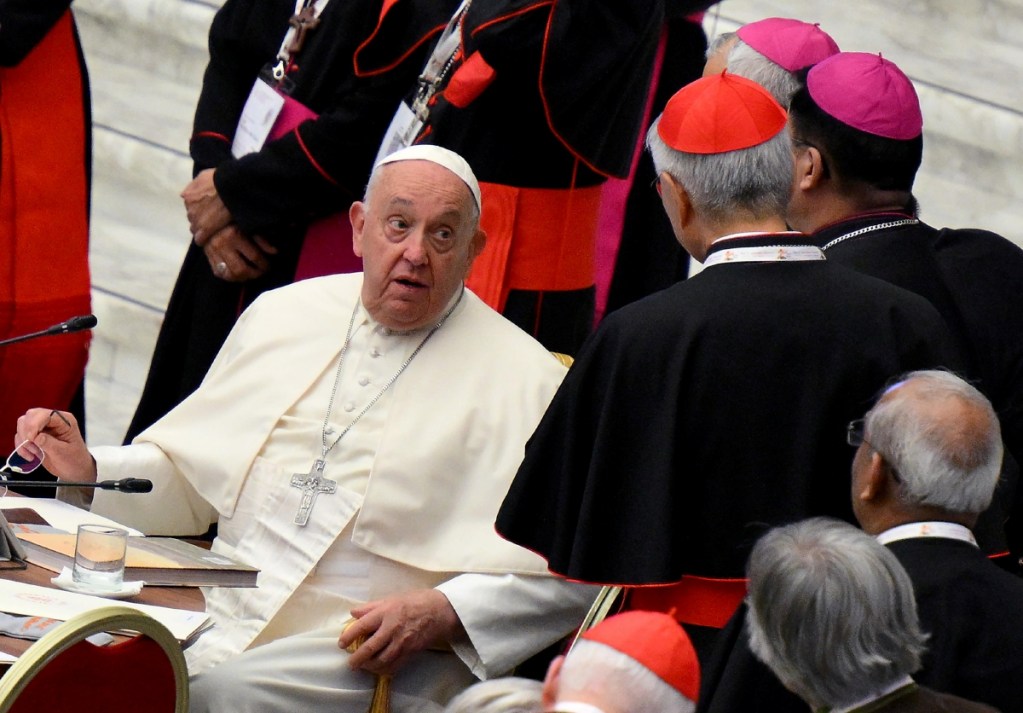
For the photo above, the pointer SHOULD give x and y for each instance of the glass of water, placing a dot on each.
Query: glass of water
(99, 557)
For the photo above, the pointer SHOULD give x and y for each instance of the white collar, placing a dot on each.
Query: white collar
(891, 688)
(741, 252)
(757, 233)
(937, 528)
(575, 707)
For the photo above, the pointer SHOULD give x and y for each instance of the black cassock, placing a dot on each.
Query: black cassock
(969, 606)
(973, 278)
(703, 414)
(352, 70)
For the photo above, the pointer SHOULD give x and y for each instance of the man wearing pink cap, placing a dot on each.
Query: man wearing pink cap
(857, 133)
(771, 52)
(698, 415)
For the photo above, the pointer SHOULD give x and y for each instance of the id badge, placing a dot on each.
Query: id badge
(261, 110)
(404, 129)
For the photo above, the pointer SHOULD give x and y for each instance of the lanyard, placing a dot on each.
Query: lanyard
(439, 64)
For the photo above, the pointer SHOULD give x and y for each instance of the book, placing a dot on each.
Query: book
(157, 561)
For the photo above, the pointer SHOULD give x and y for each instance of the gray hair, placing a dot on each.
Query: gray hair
(618, 681)
(831, 612)
(500, 695)
(945, 457)
(720, 43)
(748, 62)
(756, 181)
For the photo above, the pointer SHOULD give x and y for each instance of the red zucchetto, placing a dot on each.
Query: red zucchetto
(720, 113)
(655, 640)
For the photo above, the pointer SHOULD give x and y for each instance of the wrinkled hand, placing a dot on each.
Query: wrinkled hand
(234, 257)
(397, 627)
(66, 454)
(207, 214)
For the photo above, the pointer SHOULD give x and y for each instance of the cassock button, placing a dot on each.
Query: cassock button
(349, 407)
(363, 380)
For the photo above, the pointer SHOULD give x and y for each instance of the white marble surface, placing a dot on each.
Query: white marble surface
(146, 59)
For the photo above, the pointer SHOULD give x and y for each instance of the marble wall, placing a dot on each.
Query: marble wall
(146, 59)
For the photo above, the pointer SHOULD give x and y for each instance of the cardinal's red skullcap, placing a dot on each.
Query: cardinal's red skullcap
(720, 113)
(655, 640)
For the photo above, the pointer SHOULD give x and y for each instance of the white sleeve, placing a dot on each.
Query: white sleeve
(172, 508)
(510, 617)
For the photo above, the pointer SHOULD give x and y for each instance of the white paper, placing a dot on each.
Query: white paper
(401, 133)
(32, 600)
(258, 117)
(61, 515)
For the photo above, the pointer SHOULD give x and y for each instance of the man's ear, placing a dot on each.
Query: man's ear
(875, 482)
(810, 168)
(678, 201)
(357, 216)
(549, 694)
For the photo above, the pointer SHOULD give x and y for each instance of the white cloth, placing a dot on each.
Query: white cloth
(421, 476)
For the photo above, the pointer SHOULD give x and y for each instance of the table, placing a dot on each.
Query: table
(190, 598)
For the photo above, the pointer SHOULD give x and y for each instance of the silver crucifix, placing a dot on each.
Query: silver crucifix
(312, 484)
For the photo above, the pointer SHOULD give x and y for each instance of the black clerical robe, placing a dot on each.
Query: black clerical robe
(695, 418)
(969, 606)
(973, 278)
(311, 172)
(545, 100)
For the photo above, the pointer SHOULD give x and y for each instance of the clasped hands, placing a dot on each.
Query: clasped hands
(398, 627)
(233, 256)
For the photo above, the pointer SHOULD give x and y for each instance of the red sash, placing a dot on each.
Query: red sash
(695, 600)
(537, 239)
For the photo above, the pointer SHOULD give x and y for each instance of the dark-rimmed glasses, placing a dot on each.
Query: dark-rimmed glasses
(855, 436)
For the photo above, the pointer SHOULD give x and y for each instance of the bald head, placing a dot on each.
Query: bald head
(942, 438)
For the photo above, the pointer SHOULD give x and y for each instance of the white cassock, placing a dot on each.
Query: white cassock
(420, 477)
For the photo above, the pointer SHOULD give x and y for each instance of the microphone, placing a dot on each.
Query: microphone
(124, 485)
(75, 324)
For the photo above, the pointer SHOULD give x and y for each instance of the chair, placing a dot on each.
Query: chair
(63, 672)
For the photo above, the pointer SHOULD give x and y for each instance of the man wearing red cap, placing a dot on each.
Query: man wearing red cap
(634, 661)
(700, 414)
(857, 133)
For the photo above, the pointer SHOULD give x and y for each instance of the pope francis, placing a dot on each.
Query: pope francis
(354, 440)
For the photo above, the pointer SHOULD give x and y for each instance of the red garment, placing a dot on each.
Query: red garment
(44, 271)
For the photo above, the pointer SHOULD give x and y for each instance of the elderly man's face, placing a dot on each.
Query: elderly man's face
(417, 237)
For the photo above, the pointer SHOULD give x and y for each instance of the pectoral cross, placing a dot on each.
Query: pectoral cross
(303, 22)
(312, 484)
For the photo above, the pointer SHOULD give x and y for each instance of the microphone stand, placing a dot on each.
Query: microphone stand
(125, 485)
(75, 324)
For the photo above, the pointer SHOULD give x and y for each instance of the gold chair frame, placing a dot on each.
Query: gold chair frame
(77, 628)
